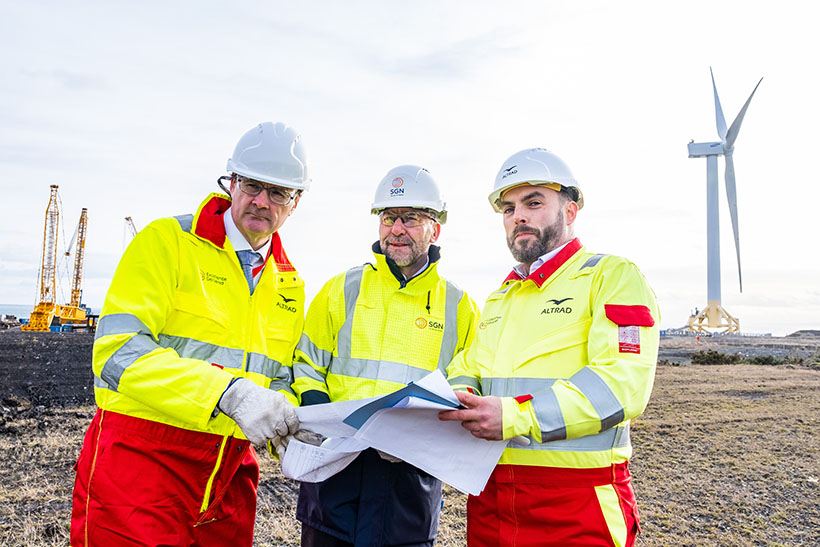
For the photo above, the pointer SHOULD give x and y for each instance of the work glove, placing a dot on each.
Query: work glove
(280, 443)
(388, 457)
(260, 413)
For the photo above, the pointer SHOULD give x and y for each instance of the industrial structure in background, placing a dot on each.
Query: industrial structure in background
(130, 231)
(714, 316)
(47, 312)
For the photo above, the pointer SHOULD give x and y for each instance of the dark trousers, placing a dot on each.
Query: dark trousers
(311, 537)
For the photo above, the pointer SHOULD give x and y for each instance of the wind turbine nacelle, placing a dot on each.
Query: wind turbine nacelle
(703, 149)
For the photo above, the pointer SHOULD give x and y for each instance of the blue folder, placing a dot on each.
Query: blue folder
(358, 417)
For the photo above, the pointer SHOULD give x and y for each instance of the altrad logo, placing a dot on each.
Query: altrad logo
(284, 304)
(510, 171)
(557, 308)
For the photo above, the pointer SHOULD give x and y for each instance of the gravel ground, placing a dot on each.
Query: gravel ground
(724, 454)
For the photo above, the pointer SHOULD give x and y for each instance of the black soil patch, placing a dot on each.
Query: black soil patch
(48, 369)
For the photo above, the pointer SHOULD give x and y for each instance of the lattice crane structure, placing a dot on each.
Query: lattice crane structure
(47, 310)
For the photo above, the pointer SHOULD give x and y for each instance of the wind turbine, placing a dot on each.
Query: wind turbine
(714, 316)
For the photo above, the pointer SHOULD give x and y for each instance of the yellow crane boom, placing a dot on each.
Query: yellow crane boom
(47, 309)
(79, 260)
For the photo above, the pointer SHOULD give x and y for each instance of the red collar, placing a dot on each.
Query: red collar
(540, 276)
(209, 225)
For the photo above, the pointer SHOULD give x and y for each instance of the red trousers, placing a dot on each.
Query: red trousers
(143, 483)
(537, 506)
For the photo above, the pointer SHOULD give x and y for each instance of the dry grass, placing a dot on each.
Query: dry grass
(37, 477)
(730, 455)
(724, 455)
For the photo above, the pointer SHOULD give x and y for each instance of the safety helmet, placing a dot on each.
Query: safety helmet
(538, 167)
(272, 153)
(409, 186)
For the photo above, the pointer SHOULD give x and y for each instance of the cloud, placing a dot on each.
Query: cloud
(454, 60)
(76, 81)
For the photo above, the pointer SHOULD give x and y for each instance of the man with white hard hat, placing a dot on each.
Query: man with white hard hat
(565, 355)
(192, 362)
(370, 331)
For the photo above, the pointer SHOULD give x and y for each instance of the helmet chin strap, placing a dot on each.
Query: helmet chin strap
(219, 182)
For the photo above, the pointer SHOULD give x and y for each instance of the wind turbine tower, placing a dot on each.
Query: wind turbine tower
(714, 316)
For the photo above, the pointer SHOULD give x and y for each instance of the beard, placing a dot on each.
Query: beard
(406, 255)
(547, 239)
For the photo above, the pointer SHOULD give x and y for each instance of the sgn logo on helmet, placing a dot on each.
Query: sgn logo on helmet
(409, 186)
(397, 189)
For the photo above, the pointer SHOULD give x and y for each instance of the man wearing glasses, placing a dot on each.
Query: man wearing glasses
(370, 331)
(192, 362)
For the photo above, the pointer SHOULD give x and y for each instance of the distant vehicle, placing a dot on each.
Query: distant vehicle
(8, 321)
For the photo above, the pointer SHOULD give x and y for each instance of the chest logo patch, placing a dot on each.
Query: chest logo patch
(557, 306)
(487, 322)
(285, 305)
(629, 339)
(212, 278)
(423, 323)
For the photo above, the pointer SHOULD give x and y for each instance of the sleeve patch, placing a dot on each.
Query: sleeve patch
(629, 339)
(521, 399)
(622, 316)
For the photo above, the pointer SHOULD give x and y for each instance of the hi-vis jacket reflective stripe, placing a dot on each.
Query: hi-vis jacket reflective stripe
(178, 305)
(572, 351)
(367, 334)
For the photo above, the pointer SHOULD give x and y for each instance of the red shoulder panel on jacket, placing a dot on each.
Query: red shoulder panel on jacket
(629, 315)
(278, 252)
(209, 223)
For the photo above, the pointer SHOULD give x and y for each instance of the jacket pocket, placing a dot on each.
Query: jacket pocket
(560, 340)
(200, 307)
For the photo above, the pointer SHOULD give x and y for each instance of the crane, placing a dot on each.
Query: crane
(129, 231)
(132, 229)
(47, 308)
(79, 260)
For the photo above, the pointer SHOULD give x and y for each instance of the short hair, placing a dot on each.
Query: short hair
(568, 193)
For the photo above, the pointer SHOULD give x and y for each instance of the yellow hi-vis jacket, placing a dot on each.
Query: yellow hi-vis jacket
(178, 305)
(571, 350)
(369, 334)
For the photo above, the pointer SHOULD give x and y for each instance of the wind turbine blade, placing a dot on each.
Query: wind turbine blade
(721, 121)
(731, 197)
(733, 131)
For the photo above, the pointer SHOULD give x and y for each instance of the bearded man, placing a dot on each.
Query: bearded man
(565, 355)
(370, 331)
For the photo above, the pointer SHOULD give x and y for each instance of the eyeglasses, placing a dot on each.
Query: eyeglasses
(410, 219)
(276, 195)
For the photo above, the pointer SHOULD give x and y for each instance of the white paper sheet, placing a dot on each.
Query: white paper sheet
(409, 429)
(308, 463)
(444, 449)
(327, 419)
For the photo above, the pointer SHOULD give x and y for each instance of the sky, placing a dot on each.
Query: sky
(133, 109)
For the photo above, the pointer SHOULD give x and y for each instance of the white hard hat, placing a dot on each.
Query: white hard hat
(538, 167)
(409, 186)
(272, 153)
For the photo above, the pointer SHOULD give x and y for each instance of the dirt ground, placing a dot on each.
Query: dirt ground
(725, 455)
